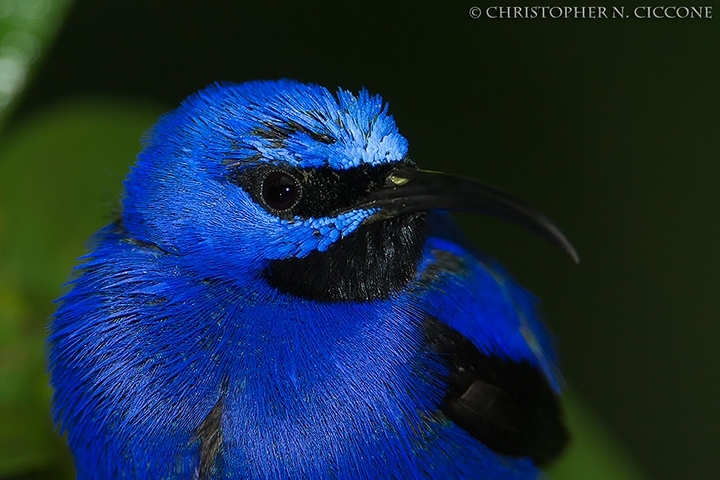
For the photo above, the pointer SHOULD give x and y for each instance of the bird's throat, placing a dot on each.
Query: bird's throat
(375, 262)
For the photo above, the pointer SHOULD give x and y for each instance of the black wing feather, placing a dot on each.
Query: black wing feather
(507, 405)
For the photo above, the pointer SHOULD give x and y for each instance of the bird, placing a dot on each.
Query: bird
(285, 295)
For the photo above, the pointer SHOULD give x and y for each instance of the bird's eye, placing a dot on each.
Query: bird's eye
(280, 191)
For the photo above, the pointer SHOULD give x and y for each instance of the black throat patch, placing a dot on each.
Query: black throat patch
(374, 262)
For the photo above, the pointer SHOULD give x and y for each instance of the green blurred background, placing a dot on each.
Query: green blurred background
(609, 126)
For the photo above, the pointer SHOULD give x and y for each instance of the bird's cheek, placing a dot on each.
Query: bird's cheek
(301, 237)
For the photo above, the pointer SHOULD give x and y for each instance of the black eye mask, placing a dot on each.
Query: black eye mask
(288, 192)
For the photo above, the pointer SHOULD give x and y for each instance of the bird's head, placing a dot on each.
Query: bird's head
(310, 191)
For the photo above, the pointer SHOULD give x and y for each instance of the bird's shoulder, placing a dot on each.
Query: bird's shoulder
(118, 348)
(473, 294)
(502, 381)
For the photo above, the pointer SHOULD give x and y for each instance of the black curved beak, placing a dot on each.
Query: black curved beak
(410, 190)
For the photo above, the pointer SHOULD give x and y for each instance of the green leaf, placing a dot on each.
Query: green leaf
(27, 28)
(593, 454)
(60, 175)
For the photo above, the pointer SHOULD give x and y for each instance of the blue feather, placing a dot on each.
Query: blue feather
(208, 334)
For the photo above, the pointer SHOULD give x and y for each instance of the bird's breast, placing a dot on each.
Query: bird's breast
(337, 384)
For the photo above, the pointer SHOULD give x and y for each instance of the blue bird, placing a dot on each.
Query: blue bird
(285, 296)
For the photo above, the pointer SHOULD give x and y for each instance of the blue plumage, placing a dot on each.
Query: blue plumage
(275, 302)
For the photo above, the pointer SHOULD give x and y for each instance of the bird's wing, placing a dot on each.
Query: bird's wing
(502, 384)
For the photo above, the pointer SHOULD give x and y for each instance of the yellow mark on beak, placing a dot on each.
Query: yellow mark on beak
(398, 181)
